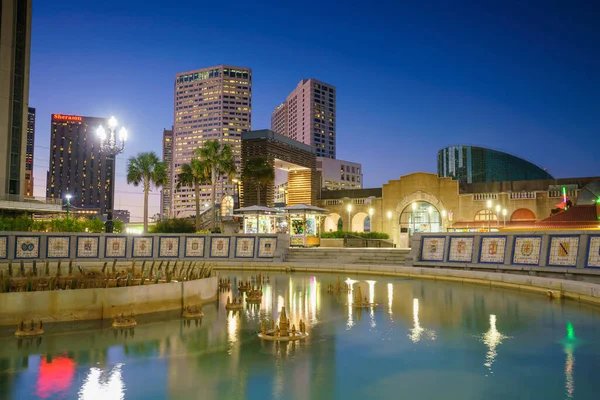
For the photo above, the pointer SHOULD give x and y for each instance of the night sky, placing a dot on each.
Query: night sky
(411, 79)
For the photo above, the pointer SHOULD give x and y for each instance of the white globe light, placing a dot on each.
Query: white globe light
(112, 122)
(123, 134)
(101, 133)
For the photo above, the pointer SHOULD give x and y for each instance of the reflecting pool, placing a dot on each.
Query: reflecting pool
(423, 340)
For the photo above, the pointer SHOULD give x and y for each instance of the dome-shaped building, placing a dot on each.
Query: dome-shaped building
(471, 164)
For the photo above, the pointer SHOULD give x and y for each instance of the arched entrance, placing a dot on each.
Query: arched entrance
(227, 206)
(358, 222)
(332, 222)
(522, 214)
(420, 216)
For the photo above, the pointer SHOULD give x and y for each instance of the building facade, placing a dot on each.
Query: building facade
(76, 165)
(339, 174)
(308, 115)
(470, 164)
(210, 103)
(15, 44)
(296, 159)
(167, 157)
(29, 152)
(423, 202)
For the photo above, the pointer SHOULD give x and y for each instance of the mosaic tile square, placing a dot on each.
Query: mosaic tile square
(27, 247)
(594, 252)
(3, 247)
(527, 250)
(58, 247)
(116, 247)
(142, 246)
(88, 246)
(168, 246)
(492, 250)
(267, 247)
(194, 246)
(461, 249)
(244, 247)
(433, 249)
(219, 246)
(563, 251)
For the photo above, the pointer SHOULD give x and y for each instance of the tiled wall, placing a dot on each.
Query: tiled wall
(36, 246)
(566, 249)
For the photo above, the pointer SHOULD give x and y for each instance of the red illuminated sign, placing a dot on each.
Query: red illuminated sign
(60, 117)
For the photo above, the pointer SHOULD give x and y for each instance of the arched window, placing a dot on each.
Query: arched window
(486, 215)
(522, 214)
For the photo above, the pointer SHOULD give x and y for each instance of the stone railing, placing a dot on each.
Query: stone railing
(571, 250)
(94, 247)
(485, 196)
(522, 195)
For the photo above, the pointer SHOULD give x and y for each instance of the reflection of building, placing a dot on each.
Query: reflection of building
(76, 165)
(339, 174)
(122, 215)
(308, 115)
(210, 103)
(167, 157)
(423, 202)
(289, 156)
(29, 152)
(470, 164)
(15, 38)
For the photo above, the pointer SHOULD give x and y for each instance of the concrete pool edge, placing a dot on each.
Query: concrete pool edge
(581, 291)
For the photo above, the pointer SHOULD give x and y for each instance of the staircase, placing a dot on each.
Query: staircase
(336, 256)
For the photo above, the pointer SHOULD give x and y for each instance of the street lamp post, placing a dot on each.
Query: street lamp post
(443, 218)
(389, 215)
(371, 211)
(498, 215)
(68, 197)
(109, 147)
(489, 213)
(504, 215)
(349, 220)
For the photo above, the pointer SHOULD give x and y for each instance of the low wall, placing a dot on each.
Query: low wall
(16, 246)
(332, 242)
(92, 304)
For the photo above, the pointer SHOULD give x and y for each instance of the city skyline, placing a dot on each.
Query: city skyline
(539, 109)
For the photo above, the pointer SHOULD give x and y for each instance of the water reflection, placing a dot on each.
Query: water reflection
(372, 301)
(350, 283)
(569, 347)
(417, 332)
(55, 376)
(390, 288)
(99, 385)
(492, 339)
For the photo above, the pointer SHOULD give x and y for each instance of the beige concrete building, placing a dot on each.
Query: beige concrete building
(210, 103)
(15, 43)
(309, 116)
(424, 202)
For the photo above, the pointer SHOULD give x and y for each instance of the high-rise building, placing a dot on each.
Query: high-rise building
(339, 174)
(76, 165)
(29, 152)
(15, 39)
(167, 157)
(308, 115)
(210, 103)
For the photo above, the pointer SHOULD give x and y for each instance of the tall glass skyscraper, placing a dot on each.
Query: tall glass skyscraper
(210, 103)
(470, 164)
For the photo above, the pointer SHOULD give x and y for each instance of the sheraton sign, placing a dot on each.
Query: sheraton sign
(61, 117)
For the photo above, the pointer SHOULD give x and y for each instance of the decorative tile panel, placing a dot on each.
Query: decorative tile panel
(527, 250)
(563, 251)
(493, 250)
(219, 246)
(432, 248)
(27, 247)
(461, 249)
(142, 246)
(115, 247)
(3, 247)
(168, 246)
(593, 259)
(194, 246)
(244, 247)
(88, 246)
(267, 247)
(58, 247)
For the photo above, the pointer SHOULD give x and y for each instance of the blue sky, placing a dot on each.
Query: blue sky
(411, 78)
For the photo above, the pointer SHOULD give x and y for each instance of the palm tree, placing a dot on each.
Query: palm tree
(148, 170)
(194, 174)
(219, 161)
(258, 170)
